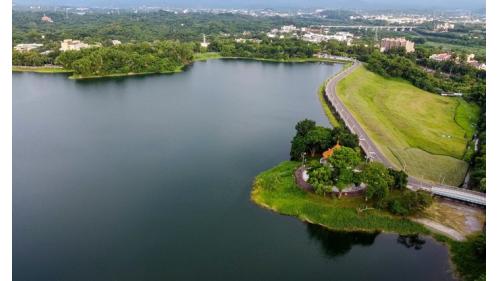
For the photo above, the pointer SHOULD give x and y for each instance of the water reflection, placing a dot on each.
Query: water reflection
(339, 243)
(411, 241)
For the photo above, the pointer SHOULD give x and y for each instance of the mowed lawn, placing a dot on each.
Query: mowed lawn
(426, 132)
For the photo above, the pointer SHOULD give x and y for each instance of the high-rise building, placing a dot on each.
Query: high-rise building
(391, 43)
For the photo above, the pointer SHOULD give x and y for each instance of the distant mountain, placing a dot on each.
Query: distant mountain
(337, 4)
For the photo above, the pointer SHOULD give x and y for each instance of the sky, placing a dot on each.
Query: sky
(334, 4)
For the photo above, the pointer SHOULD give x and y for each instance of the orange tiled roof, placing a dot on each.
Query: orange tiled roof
(328, 153)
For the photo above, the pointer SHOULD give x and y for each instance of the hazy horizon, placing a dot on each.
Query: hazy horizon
(335, 4)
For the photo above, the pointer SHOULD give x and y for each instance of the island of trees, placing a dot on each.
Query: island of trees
(385, 204)
(345, 165)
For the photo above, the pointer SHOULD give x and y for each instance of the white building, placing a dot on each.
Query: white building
(316, 38)
(27, 47)
(288, 28)
(116, 42)
(343, 37)
(72, 45)
(271, 35)
(471, 61)
(444, 27)
(440, 57)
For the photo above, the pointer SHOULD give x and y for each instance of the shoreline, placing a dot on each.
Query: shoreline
(40, 69)
(129, 74)
(200, 57)
(275, 190)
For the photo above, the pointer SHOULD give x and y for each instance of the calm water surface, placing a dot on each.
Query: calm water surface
(148, 178)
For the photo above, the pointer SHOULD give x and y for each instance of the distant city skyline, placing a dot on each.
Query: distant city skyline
(254, 4)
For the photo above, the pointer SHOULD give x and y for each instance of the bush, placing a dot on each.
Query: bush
(321, 179)
(400, 179)
(408, 203)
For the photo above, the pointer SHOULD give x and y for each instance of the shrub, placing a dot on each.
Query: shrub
(408, 203)
(400, 179)
(321, 179)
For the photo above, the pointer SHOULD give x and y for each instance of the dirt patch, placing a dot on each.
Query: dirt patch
(453, 219)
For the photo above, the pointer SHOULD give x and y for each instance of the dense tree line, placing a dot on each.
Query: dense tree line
(31, 58)
(478, 161)
(396, 65)
(158, 57)
(128, 26)
(282, 49)
(455, 38)
(358, 51)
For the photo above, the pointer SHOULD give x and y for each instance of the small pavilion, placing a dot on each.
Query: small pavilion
(328, 153)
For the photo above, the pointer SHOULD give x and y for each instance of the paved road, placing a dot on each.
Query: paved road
(373, 152)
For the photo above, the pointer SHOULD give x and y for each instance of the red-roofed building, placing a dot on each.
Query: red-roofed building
(46, 19)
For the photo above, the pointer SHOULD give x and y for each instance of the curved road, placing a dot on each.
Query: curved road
(374, 153)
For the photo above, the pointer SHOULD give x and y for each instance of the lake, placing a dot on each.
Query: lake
(148, 178)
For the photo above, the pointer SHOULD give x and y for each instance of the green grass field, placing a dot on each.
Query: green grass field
(40, 69)
(206, 56)
(326, 108)
(425, 132)
(275, 189)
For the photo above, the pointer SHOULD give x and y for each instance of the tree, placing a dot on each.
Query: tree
(321, 179)
(309, 139)
(482, 185)
(378, 181)
(409, 203)
(318, 139)
(344, 137)
(157, 57)
(400, 179)
(343, 162)
(298, 147)
(305, 126)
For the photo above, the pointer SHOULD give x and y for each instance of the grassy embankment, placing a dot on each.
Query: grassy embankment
(326, 108)
(324, 104)
(40, 69)
(81, 77)
(275, 189)
(206, 56)
(425, 132)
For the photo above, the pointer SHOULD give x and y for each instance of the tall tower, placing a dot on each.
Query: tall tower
(204, 44)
